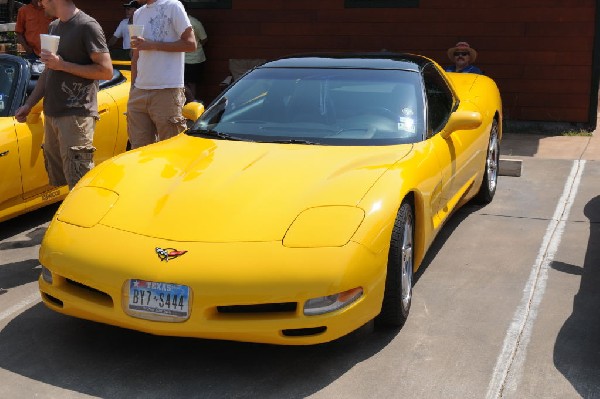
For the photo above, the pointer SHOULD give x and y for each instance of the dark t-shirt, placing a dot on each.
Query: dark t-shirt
(67, 94)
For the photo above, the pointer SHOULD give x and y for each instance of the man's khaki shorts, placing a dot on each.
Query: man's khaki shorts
(154, 115)
(68, 148)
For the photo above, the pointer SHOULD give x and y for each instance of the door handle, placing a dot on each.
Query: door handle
(3, 154)
(103, 111)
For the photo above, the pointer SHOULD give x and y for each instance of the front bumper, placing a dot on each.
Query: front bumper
(89, 267)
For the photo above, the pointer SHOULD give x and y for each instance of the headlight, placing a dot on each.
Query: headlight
(331, 303)
(324, 226)
(86, 206)
(46, 275)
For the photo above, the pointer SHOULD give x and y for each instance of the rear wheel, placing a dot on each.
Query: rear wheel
(399, 279)
(492, 162)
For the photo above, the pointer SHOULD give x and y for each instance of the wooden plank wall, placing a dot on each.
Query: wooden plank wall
(538, 51)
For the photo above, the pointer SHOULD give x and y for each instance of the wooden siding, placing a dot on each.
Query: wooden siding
(538, 51)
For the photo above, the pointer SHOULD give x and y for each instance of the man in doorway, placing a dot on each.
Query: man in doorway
(122, 31)
(195, 60)
(463, 57)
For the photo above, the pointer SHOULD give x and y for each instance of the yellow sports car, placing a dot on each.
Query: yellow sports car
(295, 210)
(24, 179)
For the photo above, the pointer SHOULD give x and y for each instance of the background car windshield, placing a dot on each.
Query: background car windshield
(326, 106)
(8, 81)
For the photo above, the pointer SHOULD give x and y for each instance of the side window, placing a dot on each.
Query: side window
(439, 99)
(8, 81)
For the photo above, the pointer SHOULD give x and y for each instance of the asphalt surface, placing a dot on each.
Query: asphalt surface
(506, 304)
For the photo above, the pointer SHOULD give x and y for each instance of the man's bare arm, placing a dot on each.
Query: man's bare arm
(100, 68)
(186, 43)
(134, 61)
(21, 40)
(112, 41)
(36, 95)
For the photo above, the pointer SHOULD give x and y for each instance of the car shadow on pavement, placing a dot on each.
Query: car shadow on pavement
(451, 224)
(26, 222)
(34, 237)
(33, 226)
(19, 273)
(105, 361)
(520, 144)
(577, 346)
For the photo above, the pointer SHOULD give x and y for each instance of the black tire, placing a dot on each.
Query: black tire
(490, 175)
(399, 279)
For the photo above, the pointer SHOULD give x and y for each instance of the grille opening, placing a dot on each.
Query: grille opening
(303, 332)
(284, 307)
(53, 300)
(102, 295)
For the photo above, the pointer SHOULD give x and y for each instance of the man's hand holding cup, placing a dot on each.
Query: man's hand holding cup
(48, 56)
(136, 38)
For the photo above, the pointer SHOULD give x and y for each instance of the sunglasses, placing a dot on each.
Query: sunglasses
(461, 53)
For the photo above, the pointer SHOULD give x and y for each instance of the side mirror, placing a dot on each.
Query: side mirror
(193, 110)
(462, 120)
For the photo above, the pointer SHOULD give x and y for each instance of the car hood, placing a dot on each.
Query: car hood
(194, 189)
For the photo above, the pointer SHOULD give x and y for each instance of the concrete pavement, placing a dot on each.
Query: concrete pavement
(515, 146)
(534, 145)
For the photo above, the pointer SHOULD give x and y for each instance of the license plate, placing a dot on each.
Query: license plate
(163, 299)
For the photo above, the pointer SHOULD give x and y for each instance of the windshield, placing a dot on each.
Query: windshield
(319, 106)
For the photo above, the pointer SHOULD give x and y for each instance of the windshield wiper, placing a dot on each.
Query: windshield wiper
(214, 133)
(294, 141)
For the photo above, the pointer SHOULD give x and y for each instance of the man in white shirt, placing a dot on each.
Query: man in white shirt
(154, 110)
(195, 60)
(122, 31)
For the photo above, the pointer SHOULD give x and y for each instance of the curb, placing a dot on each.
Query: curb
(510, 167)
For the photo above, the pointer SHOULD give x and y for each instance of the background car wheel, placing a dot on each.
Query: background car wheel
(492, 162)
(399, 279)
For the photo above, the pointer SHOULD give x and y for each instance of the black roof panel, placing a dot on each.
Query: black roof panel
(402, 61)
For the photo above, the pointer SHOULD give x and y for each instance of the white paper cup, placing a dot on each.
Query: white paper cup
(136, 30)
(49, 42)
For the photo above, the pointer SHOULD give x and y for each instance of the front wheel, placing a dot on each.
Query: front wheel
(490, 173)
(399, 279)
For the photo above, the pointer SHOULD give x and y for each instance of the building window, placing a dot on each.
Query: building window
(381, 3)
(208, 3)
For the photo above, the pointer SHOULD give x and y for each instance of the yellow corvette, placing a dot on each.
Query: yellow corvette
(24, 179)
(295, 210)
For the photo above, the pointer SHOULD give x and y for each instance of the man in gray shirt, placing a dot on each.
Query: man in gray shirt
(69, 85)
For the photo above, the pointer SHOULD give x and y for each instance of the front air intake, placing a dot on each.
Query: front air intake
(54, 301)
(303, 332)
(284, 307)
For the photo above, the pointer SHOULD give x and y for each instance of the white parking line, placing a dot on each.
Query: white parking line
(25, 303)
(509, 364)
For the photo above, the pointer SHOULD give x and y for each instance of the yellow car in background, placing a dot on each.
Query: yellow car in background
(24, 181)
(294, 211)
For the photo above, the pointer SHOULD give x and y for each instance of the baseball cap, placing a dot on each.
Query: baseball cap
(132, 4)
